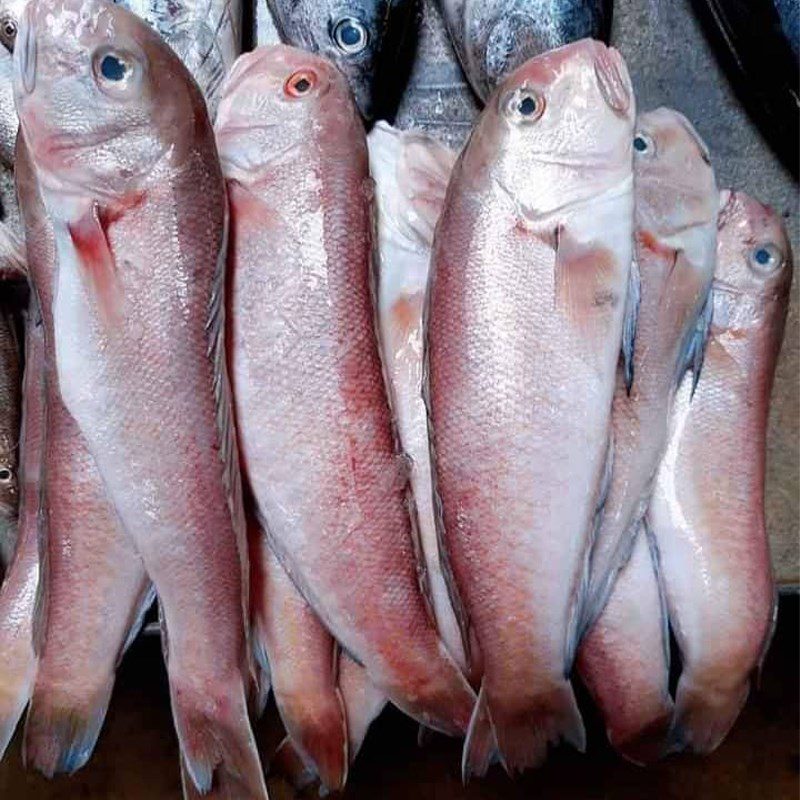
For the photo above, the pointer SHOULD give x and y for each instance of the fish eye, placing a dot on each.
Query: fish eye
(114, 70)
(5, 475)
(524, 105)
(300, 83)
(766, 257)
(8, 32)
(350, 35)
(643, 144)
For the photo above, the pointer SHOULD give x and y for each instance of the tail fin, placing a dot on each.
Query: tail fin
(480, 746)
(218, 751)
(363, 702)
(704, 715)
(524, 731)
(14, 695)
(318, 729)
(649, 744)
(60, 737)
(289, 764)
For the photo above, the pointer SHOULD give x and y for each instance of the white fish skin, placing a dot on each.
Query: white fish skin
(530, 271)
(707, 510)
(675, 251)
(140, 223)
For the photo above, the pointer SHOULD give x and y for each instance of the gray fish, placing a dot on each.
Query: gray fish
(437, 98)
(9, 124)
(494, 37)
(351, 33)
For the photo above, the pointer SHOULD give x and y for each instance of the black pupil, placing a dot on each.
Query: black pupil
(763, 256)
(302, 85)
(527, 106)
(640, 144)
(350, 34)
(4, 474)
(112, 68)
(9, 29)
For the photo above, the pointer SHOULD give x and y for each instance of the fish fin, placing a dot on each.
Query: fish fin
(60, 738)
(228, 447)
(261, 691)
(480, 746)
(289, 764)
(217, 746)
(611, 74)
(632, 303)
(525, 732)
(140, 610)
(363, 702)
(98, 265)
(693, 351)
(39, 627)
(773, 622)
(704, 715)
(13, 261)
(584, 611)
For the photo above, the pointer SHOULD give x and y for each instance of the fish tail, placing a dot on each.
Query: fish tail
(290, 765)
(480, 746)
(524, 731)
(14, 696)
(704, 714)
(317, 727)
(61, 730)
(218, 751)
(650, 742)
(363, 702)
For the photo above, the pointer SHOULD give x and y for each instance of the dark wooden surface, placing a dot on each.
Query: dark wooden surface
(137, 754)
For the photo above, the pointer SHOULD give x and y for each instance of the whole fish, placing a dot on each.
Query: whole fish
(494, 37)
(301, 658)
(676, 234)
(93, 588)
(707, 511)
(352, 35)
(318, 445)
(437, 98)
(529, 275)
(19, 590)
(624, 660)
(137, 203)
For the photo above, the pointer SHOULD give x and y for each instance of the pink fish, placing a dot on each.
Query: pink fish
(315, 425)
(707, 511)
(530, 271)
(137, 201)
(93, 587)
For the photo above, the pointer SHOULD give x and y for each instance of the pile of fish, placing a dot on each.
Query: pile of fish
(375, 421)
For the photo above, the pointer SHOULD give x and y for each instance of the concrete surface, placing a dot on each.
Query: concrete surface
(671, 64)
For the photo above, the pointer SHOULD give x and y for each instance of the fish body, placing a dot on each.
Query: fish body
(138, 317)
(437, 98)
(351, 34)
(9, 122)
(624, 659)
(530, 269)
(494, 37)
(676, 213)
(789, 15)
(10, 420)
(20, 585)
(93, 587)
(265, 30)
(318, 444)
(707, 511)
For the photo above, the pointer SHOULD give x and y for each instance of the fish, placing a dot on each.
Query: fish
(93, 588)
(264, 29)
(624, 659)
(437, 98)
(330, 487)
(19, 590)
(526, 305)
(352, 35)
(301, 658)
(707, 509)
(208, 36)
(494, 37)
(676, 233)
(137, 202)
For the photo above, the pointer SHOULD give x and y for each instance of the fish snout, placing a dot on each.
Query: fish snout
(25, 52)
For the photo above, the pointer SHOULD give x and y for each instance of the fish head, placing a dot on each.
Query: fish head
(675, 186)
(10, 16)
(101, 99)
(276, 100)
(494, 37)
(351, 33)
(754, 256)
(558, 130)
